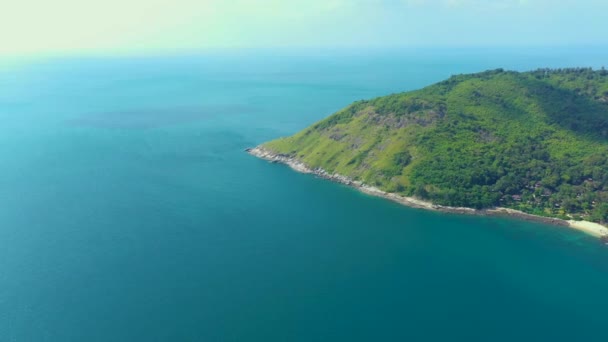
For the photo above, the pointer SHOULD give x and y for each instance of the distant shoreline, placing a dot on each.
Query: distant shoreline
(590, 228)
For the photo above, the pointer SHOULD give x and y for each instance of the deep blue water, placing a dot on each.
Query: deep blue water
(129, 212)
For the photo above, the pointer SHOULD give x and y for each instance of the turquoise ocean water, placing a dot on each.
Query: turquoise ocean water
(129, 212)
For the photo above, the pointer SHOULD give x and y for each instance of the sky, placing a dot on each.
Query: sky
(34, 27)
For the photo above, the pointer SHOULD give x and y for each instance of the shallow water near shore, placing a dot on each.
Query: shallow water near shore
(130, 212)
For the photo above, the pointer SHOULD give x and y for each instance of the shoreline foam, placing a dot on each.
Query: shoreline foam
(590, 228)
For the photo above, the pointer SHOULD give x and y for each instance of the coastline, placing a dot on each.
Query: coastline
(590, 228)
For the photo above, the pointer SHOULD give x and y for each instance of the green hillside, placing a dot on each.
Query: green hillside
(534, 141)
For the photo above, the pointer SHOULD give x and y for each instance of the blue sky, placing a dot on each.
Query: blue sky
(136, 26)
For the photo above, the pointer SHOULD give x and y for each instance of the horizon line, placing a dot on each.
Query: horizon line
(309, 50)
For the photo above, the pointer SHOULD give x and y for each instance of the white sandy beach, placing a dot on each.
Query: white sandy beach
(590, 228)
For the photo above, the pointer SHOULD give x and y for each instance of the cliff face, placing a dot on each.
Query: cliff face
(535, 141)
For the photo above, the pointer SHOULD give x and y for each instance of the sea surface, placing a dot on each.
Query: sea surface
(130, 212)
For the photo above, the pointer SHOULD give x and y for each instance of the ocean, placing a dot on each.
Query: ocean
(129, 211)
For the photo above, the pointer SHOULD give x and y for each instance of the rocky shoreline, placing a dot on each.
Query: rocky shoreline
(593, 229)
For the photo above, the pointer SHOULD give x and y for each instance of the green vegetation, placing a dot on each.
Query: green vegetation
(534, 141)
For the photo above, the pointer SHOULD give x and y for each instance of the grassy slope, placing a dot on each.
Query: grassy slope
(534, 141)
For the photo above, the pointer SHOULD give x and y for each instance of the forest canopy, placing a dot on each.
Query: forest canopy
(534, 141)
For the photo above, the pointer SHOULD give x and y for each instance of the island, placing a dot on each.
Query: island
(527, 144)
